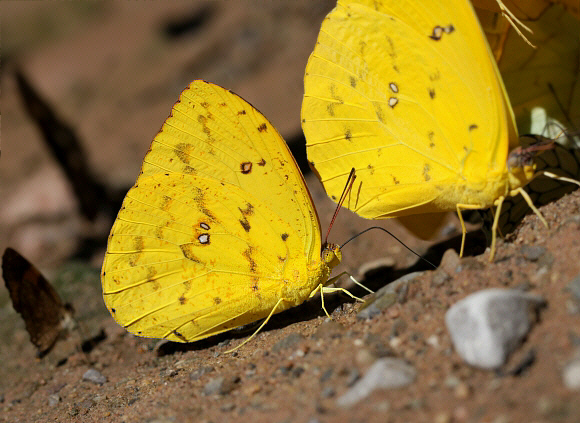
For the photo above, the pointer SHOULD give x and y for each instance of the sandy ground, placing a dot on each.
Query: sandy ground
(112, 70)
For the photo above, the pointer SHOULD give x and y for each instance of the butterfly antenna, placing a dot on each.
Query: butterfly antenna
(397, 239)
(560, 105)
(347, 188)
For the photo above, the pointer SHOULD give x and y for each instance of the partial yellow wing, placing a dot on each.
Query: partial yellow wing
(218, 228)
(408, 93)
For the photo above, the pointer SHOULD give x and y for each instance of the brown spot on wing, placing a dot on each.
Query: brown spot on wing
(199, 198)
(184, 152)
(187, 250)
(246, 167)
(138, 246)
(151, 273)
(338, 100)
(438, 31)
(263, 128)
(347, 135)
(379, 112)
(426, 170)
(179, 335)
(431, 136)
(203, 121)
(165, 203)
(245, 224)
(248, 255)
(248, 211)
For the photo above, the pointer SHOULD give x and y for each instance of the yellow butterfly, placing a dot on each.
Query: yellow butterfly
(218, 231)
(408, 93)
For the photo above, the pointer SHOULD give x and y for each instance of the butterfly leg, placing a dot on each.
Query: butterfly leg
(498, 227)
(531, 204)
(461, 207)
(319, 288)
(514, 22)
(494, 226)
(558, 178)
(529, 200)
(335, 278)
(260, 327)
(327, 290)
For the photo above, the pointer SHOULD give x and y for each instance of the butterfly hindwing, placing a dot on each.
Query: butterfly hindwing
(218, 231)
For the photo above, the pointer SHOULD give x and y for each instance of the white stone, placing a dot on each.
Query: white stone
(486, 326)
(571, 374)
(385, 373)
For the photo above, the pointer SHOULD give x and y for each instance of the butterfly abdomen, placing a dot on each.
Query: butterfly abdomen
(482, 193)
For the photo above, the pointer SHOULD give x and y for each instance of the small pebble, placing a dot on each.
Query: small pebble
(532, 252)
(86, 405)
(440, 277)
(328, 392)
(462, 391)
(450, 262)
(486, 326)
(364, 357)
(385, 373)
(452, 381)
(386, 297)
(53, 400)
(290, 341)
(470, 263)
(94, 376)
(574, 288)
(220, 385)
(460, 414)
(228, 407)
(442, 418)
(198, 373)
(571, 374)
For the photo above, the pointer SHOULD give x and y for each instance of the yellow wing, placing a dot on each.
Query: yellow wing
(218, 227)
(408, 93)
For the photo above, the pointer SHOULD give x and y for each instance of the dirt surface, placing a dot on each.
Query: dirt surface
(112, 70)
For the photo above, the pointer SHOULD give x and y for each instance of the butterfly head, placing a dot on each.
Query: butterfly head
(331, 254)
(520, 162)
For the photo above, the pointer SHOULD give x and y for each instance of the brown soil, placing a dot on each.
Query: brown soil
(110, 71)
